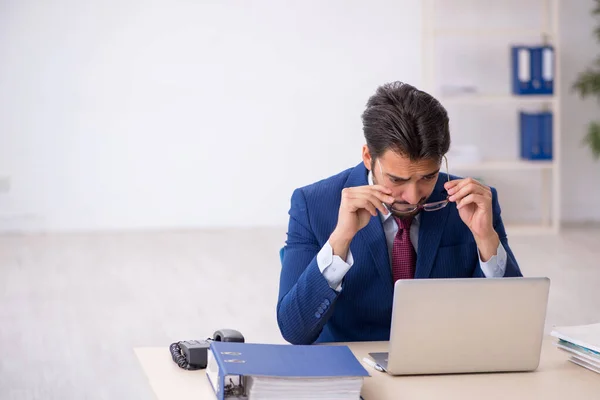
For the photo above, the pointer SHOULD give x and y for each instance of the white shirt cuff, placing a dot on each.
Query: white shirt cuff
(333, 267)
(495, 267)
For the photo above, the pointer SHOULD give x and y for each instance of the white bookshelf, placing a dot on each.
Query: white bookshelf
(506, 165)
(496, 98)
(549, 171)
(489, 32)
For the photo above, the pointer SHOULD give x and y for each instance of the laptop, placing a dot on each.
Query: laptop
(445, 326)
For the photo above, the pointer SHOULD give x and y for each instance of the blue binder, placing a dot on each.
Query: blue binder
(521, 70)
(544, 72)
(229, 362)
(536, 135)
(532, 70)
(546, 135)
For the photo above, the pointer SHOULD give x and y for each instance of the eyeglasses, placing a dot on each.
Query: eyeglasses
(410, 208)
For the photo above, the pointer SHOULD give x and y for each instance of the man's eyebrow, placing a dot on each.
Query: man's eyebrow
(433, 173)
(399, 178)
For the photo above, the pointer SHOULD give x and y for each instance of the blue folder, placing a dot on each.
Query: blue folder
(536, 135)
(548, 66)
(546, 121)
(532, 70)
(522, 70)
(283, 361)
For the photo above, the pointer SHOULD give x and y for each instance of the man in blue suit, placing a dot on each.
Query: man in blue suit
(393, 216)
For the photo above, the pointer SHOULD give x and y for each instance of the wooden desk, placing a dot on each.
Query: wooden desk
(556, 378)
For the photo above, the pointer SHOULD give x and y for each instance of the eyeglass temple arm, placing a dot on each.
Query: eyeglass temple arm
(447, 172)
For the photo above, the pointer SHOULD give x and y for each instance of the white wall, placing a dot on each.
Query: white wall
(580, 174)
(149, 114)
(130, 114)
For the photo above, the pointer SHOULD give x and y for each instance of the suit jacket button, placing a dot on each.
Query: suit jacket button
(320, 309)
(326, 302)
(317, 315)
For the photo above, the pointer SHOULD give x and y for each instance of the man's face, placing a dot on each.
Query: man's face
(411, 182)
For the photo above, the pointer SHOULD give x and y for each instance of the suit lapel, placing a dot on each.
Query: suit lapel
(372, 235)
(431, 228)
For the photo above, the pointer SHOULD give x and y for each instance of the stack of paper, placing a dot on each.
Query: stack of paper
(582, 343)
(266, 388)
(266, 372)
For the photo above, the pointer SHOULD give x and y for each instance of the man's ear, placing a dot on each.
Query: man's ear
(366, 156)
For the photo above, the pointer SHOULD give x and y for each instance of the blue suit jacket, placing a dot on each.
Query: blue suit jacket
(310, 311)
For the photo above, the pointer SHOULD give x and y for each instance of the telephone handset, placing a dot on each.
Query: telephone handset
(193, 354)
(228, 335)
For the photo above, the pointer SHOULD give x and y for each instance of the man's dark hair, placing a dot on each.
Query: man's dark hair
(408, 121)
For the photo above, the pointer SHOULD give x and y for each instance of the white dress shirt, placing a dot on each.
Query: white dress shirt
(334, 268)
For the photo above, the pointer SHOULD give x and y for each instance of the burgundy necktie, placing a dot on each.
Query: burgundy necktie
(404, 258)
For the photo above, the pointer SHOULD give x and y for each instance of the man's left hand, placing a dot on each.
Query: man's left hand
(474, 203)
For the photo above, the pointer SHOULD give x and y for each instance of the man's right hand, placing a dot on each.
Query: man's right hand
(357, 207)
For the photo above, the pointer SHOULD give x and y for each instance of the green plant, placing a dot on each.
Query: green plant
(588, 84)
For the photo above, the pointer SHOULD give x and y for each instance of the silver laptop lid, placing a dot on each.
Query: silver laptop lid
(467, 325)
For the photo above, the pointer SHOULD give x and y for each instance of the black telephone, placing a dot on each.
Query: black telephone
(193, 354)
